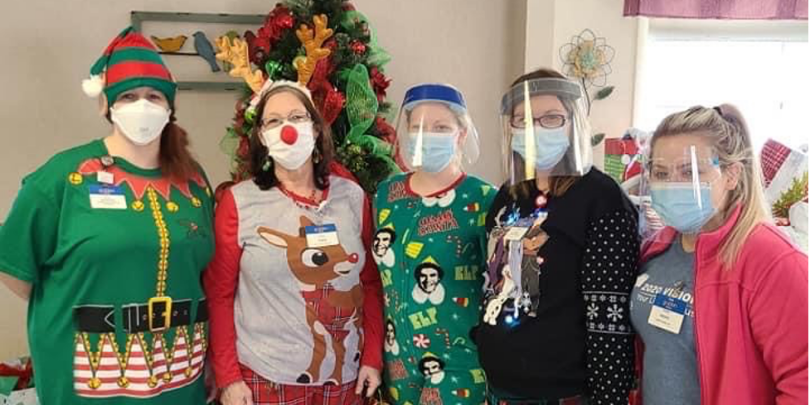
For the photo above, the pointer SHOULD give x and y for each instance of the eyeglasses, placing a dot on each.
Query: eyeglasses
(275, 120)
(548, 121)
(683, 170)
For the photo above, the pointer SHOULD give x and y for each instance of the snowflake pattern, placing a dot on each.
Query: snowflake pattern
(609, 274)
(615, 313)
(593, 311)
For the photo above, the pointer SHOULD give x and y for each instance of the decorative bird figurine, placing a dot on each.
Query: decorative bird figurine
(203, 47)
(170, 44)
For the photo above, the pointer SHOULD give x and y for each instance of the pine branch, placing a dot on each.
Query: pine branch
(795, 193)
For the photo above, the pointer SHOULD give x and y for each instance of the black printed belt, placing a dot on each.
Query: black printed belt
(157, 315)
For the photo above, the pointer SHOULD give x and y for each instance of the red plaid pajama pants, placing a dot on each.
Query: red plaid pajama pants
(268, 393)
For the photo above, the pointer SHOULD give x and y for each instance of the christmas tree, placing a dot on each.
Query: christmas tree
(329, 47)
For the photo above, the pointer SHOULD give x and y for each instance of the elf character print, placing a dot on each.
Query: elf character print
(433, 289)
(328, 311)
(428, 284)
(383, 254)
(390, 344)
(432, 368)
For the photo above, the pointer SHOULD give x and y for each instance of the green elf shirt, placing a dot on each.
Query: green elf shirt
(115, 254)
(431, 255)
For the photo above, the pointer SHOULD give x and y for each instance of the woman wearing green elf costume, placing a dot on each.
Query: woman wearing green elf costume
(430, 248)
(108, 241)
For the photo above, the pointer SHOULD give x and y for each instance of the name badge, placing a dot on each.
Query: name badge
(667, 313)
(516, 233)
(321, 235)
(107, 197)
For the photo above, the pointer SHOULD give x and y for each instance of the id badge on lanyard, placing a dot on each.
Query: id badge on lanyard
(667, 313)
(321, 235)
(107, 197)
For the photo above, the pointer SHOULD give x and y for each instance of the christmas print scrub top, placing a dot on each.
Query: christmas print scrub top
(431, 255)
(114, 254)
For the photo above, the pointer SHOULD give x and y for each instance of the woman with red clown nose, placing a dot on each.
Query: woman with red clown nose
(296, 301)
(108, 241)
(430, 247)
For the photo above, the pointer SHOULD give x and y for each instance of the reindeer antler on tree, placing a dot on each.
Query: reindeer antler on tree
(329, 47)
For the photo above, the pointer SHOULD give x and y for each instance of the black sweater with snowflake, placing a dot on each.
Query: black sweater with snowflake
(578, 340)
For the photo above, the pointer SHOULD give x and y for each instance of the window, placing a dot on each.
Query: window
(761, 67)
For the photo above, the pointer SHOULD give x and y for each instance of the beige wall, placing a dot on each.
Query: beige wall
(604, 17)
(476, 45)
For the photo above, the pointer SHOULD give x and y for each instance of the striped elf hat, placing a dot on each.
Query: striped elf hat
(130, 61)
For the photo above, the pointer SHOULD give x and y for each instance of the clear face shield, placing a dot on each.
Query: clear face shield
(678, 185)
(545, 130)
(434, 130)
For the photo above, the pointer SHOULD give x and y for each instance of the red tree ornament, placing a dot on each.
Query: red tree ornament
(379, 83)
(358, 47)
(326, 97)
(277, 22)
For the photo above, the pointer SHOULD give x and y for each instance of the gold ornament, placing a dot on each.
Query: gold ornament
(75, 178)
(172, 206)
(163, 234)
(137, 205)
(196, 202)
(94, 383)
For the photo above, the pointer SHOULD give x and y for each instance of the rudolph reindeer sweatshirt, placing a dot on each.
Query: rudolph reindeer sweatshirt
(292, 293)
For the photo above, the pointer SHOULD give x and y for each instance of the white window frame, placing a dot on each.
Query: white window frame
(697, 30)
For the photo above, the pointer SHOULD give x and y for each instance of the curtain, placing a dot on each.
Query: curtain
(719, 9)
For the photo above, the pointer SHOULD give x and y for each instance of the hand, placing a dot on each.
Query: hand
(369, 379)
(210, 384)
(237, 393)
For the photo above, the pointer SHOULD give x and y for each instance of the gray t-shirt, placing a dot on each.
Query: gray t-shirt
(670, 360)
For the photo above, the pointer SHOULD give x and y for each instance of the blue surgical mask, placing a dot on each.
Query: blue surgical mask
(551, 145)
(438, 150)
(681, 206)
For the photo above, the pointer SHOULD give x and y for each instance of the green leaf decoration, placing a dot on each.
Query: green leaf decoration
(597, 138)
(604, 93)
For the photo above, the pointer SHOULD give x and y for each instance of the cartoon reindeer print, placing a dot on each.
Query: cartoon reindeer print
(327, 310)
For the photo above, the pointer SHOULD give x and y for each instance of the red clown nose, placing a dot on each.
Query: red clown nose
(289, 135)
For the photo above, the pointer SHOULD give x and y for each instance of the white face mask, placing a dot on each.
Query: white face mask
(290, 144)
(141, 121)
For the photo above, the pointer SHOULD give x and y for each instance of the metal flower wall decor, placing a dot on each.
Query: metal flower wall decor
(587, 58)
